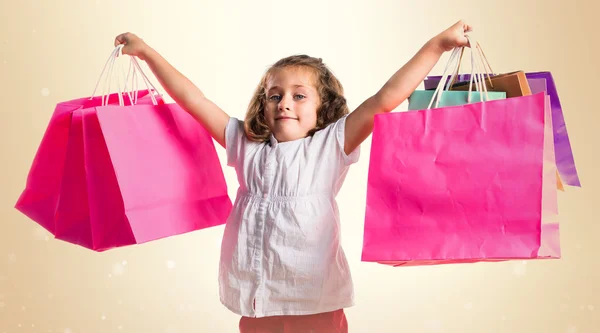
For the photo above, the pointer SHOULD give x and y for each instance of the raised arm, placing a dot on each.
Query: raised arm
(179, 87)
(398, 88)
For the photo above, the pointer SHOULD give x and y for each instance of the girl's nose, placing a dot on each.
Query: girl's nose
(283, 104)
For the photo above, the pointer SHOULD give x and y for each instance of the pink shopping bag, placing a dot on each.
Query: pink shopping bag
(107, 176)
(565, 157)
(149, 172)
(39, 199)
(463, 184)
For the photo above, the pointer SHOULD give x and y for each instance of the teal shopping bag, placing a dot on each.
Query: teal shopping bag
(419, 99)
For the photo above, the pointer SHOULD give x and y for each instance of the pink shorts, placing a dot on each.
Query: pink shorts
(328, 322)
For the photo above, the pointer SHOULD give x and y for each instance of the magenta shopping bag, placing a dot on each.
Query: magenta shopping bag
(455, 185)
(39, 199)
(149, 171)
(107, 176)
(562, 145)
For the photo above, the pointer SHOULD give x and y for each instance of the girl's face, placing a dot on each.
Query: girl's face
(292, 101)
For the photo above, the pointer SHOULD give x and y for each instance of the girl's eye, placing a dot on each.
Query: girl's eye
(277, 97)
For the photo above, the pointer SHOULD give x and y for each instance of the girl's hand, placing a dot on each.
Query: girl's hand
(134, 45)
(453, 37)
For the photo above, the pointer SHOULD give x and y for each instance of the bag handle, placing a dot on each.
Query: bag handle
(485, 59)
(476, 75)
(443, 79)
(135, 66)
(487, 67)
(133, 70)
(146, 81)
(108, 65)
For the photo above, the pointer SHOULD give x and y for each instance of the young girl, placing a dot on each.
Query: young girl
(282, 268)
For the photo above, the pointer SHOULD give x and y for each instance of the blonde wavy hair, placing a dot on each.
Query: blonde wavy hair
(333, 103)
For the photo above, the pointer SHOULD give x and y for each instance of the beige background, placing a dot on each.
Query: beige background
(52, 51)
